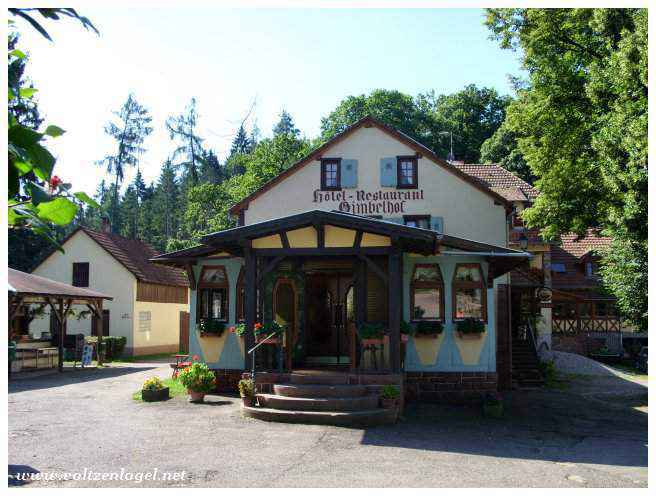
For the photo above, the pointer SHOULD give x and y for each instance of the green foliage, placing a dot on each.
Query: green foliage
(197, 378)
(268, 328)
(428, 328)
(389, 392)
(211, 326)
(371, 331)
(246, 388)
(470, 325)
(175, 389)
(581, 126)
(502, 148)
(37, 199)
(239, 329)
(153, 384)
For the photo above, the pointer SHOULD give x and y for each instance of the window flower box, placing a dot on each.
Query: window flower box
(211, 328)
(372, 334)
(470, 328)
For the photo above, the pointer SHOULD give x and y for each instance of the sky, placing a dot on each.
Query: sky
(305, 61)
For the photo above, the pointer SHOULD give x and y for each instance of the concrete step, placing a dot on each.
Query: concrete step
(319, 390)
(377, 416)
(346, 404)
(318, 378)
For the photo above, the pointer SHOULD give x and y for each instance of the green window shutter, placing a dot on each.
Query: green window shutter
(388, 172)
(349, 173)
(437, 224)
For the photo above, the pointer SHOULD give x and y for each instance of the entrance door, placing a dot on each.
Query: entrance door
(326, 318)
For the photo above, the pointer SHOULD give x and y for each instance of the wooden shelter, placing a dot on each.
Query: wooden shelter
(27, 289)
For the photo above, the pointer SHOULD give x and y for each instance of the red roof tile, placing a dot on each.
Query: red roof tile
(569, 254)
(134, 255)
(499, 180)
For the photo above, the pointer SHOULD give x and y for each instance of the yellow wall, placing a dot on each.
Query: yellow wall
(164, 333)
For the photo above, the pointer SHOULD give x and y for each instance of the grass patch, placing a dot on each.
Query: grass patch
(175, 389)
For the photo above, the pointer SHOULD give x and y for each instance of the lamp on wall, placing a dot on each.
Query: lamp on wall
(523, 242)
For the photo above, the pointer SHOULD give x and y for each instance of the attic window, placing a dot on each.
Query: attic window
(558, 267)
(331, 174)
(406, 172)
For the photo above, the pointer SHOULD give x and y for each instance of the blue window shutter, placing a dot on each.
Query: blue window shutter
(349, 173)
(388, 172)
(437, 224)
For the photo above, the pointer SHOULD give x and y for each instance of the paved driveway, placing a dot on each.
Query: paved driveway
(549, 438)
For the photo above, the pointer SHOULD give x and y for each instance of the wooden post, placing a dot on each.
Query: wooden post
(250, 302)
(99, 330)
(360, 303)
(394, 290)
(61, 317)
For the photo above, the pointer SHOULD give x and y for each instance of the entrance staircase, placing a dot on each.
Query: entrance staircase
(525, 365)
(321, 397)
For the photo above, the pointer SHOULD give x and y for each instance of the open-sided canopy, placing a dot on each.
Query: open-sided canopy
(32, 288)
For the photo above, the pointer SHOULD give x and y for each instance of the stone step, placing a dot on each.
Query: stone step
(318, 378)
(319, 390)
(346, 404)
(362, 418)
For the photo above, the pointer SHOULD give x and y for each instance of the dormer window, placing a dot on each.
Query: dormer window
(406, 172)
(331, 174)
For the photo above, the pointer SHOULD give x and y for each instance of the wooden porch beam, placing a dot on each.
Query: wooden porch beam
(284, 239)
(189, 269)
(377, 270)
(250, 303)
(357, 242)
(269, 267)
(394, 293)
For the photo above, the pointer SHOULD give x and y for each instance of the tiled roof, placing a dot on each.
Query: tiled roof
(499, 180)
(134, 255)
(31, 284)
(569, 254)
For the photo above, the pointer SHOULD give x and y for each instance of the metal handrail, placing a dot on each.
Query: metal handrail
(261, 342)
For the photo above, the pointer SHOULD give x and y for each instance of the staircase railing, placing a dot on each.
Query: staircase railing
(254, 348)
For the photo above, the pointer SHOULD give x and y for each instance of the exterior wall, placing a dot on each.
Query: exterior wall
(106, 275)
(448, 352)
(227, 351)
(467, 212)
(162, 333)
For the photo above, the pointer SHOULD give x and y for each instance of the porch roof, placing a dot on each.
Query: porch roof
(408, 239)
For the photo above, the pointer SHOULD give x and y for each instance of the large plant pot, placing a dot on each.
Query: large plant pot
(404, 338)
(247, 401)
(195, 397)
(150, 395)
(373, 341)
(388, 403)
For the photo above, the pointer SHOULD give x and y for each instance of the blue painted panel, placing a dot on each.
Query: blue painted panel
(388, 172)
(349, 173)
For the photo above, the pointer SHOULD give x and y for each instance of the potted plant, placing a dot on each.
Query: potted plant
(239, 330)
(371, 334)
(470, 328)
(263, 331)
(428, 328)
(247, 391)
(493, 405)
(406, 330)
(154, 390)
(198, 379)
(389, 396)
(211, 327)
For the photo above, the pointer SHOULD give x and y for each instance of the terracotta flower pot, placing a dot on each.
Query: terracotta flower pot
(195, 397)
(388, 403)
(247, 401)
(404, 338)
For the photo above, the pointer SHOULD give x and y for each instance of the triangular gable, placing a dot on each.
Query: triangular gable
(366, 122)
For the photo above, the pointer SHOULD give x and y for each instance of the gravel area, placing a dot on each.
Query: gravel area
(571, 363)
(87, 419)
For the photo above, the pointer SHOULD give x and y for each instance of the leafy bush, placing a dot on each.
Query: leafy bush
(211, 326)
(371, 331)
(239, 329)
(470, 325)
(246, 388)
(197, 378)
(153, 384)
(268, 328)
(390, 392)
(429, 328)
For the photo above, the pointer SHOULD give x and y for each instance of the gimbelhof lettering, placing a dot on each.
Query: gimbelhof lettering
(363, 202)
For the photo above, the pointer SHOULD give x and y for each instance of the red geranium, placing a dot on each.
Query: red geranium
(55, 181)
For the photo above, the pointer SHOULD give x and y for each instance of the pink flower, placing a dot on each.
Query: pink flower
(195, 358)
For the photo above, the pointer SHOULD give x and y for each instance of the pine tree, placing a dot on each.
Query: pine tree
(130, 131)
(285, 125)
(211, 170)
(130, 213)
(188, 155)
(166, 201)
(241, 143)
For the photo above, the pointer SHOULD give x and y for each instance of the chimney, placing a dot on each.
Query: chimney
(105, 225)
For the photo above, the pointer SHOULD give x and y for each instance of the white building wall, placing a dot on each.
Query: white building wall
(467, 211)
(106, 275)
